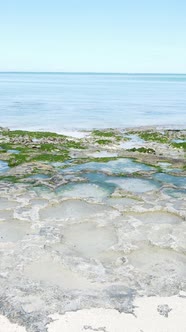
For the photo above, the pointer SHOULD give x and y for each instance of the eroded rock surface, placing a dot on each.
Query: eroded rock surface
(96, 231)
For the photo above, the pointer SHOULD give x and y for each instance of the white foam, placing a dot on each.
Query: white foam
(102, 154)
(74, 133)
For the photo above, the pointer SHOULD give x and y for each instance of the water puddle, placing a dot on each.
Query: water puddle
(134, 185)
(160, 229)
(88, 239)
(157, 218)
(133, 142)
(179, 140)
(158, 262)
(6, 214)
(7, 204)
(3, 166)
(13, 151)
(179, 181)
(83, 190)
(123, 165)
(39, 177)
(47, 270)
(13, 231)
(122, 203)
(180, 194)
(75, 209)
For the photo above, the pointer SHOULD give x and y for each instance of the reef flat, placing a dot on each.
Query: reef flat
(97, 220)
(20, 147)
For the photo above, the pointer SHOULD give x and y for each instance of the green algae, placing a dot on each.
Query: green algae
(6, 146)
(153, 136)
(107, 134)
(31, 134)
(21, 158)
(67, 144)
(101, 133)
(18, 159)
(52, 147)
(56, 151)
(14, 178)
(9, 178)
(103, 141)
(47, 147)
(180, 145)
(73, 145)
(51, 158)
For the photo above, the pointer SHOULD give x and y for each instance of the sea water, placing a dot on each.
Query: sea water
(59, 101)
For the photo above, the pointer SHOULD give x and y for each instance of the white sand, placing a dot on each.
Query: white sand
(147, 318)
(6, 326)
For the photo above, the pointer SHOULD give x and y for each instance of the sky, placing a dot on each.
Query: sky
(130, 36)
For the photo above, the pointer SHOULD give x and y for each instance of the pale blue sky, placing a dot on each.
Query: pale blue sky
(93, 35)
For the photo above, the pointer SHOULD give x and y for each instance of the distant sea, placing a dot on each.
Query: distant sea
(58, 101)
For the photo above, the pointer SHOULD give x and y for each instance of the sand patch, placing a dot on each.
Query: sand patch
(152, 314)
(7, 326)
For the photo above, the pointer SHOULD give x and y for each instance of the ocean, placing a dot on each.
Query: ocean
(58, 101)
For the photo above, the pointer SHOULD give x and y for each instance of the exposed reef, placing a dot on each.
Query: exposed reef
(35, 148)
(91, 222)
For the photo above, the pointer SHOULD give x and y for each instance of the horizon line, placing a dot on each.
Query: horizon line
(88, 73)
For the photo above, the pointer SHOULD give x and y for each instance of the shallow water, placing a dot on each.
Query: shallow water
(89, 239)
(54, 101)
(13, 151)
(179, 140)
(49, 271)
(3, 166)
(133, 142)
(13, 231)
(83, 190)
(135, 185)
(123, 165)
(179, 181)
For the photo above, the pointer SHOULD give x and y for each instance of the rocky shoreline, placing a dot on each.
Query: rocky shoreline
(93, 225)
(32, 152)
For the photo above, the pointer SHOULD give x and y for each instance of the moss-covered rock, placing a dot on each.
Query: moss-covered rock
(142, 150)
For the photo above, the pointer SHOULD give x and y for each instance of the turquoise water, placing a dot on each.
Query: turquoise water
(123, 165)
(175, 180)
(56, 101)
(3, 166)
